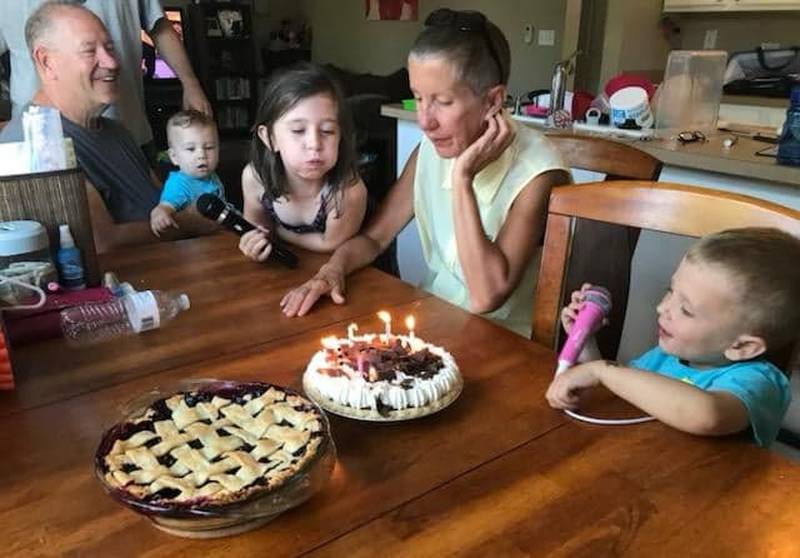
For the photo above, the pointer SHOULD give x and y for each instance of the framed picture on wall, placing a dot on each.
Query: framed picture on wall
(398, 10)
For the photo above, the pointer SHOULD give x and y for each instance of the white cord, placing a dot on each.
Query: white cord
(23, 284)
(609, 422)
(562, 366)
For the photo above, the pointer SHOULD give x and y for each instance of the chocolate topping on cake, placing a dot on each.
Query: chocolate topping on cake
(384, 360)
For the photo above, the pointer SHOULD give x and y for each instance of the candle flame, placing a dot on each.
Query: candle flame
(410, 322)
(385, 316)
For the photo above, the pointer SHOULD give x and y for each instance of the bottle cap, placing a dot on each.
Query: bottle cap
(65, 237)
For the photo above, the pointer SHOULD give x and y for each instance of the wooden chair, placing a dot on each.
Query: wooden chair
(618, 161)
(602, 252)
(663, 207)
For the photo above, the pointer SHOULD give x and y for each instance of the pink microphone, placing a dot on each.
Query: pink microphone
(596, 306)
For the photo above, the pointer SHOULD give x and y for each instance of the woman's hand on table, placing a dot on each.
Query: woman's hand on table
(329, 280)
(565, 390)
(255, 244)
(495, 139)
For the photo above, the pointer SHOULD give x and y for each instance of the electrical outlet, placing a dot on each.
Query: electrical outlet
(527, 34)
(710, 40)
(547, 37)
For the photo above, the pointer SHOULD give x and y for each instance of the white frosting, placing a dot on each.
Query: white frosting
(352, 390)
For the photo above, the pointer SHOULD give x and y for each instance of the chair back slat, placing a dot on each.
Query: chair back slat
(614, 159)
(670, 208)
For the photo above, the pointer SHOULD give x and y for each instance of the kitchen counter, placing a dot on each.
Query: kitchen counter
(740, 160)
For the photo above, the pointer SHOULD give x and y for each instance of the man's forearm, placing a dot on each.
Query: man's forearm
(123, 234)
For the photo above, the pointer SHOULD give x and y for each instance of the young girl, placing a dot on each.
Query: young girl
(302, 182)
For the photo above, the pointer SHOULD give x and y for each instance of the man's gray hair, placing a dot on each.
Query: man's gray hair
(41, 20)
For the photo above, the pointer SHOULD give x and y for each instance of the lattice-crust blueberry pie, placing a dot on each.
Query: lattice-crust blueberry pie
(212, 446)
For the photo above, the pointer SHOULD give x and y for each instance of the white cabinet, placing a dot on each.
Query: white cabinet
(768, 4)
(730, 5)
(694, 5)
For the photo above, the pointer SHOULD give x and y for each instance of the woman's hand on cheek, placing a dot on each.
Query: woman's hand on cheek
(495, 139)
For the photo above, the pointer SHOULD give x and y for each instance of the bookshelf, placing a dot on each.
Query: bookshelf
(224, 58)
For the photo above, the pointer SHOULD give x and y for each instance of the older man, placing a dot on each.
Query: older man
(124, 20)
(78, 71)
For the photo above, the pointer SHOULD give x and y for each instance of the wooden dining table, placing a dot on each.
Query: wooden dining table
(497, 473)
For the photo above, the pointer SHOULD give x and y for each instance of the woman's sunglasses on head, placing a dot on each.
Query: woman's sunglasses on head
(467, 21)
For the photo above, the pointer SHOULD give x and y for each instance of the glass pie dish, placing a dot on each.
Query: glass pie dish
(211, 458)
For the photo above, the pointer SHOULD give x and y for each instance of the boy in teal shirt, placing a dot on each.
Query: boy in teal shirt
(194, 148)
(735, 295)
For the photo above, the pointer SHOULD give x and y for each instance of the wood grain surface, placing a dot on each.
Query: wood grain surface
(52, 504)
(498, 473)
(235, 305)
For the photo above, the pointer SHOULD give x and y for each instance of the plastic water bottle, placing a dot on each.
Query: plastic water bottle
(789, 144)
(89, 324)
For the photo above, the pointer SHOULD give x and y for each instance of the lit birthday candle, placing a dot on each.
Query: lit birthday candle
(410, 323)
(351, 331)
(386, 318)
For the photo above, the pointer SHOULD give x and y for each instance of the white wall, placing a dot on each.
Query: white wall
(343, 36)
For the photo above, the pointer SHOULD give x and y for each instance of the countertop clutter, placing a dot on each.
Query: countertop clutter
(740, 159)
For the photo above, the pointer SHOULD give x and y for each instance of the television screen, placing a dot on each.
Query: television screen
(153, 66)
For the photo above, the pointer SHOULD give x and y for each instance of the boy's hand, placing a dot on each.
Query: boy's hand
(161, 219)
(566, 388)
(570, 312)
(255, 244)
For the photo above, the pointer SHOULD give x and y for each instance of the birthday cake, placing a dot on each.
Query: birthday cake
(382, 377)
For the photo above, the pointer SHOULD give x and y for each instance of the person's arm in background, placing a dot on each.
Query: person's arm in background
(396, 210)
(171, 48)
(338, 228)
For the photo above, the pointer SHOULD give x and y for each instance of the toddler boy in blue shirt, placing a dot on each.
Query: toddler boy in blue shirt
(194, 148)
(735, 295)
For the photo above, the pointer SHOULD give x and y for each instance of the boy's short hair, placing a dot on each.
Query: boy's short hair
(766, 262)
(188, 118)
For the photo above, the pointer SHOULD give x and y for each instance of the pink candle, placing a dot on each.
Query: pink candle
(360, 363)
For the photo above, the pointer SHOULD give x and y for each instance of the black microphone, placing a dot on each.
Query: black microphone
(216, 209)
